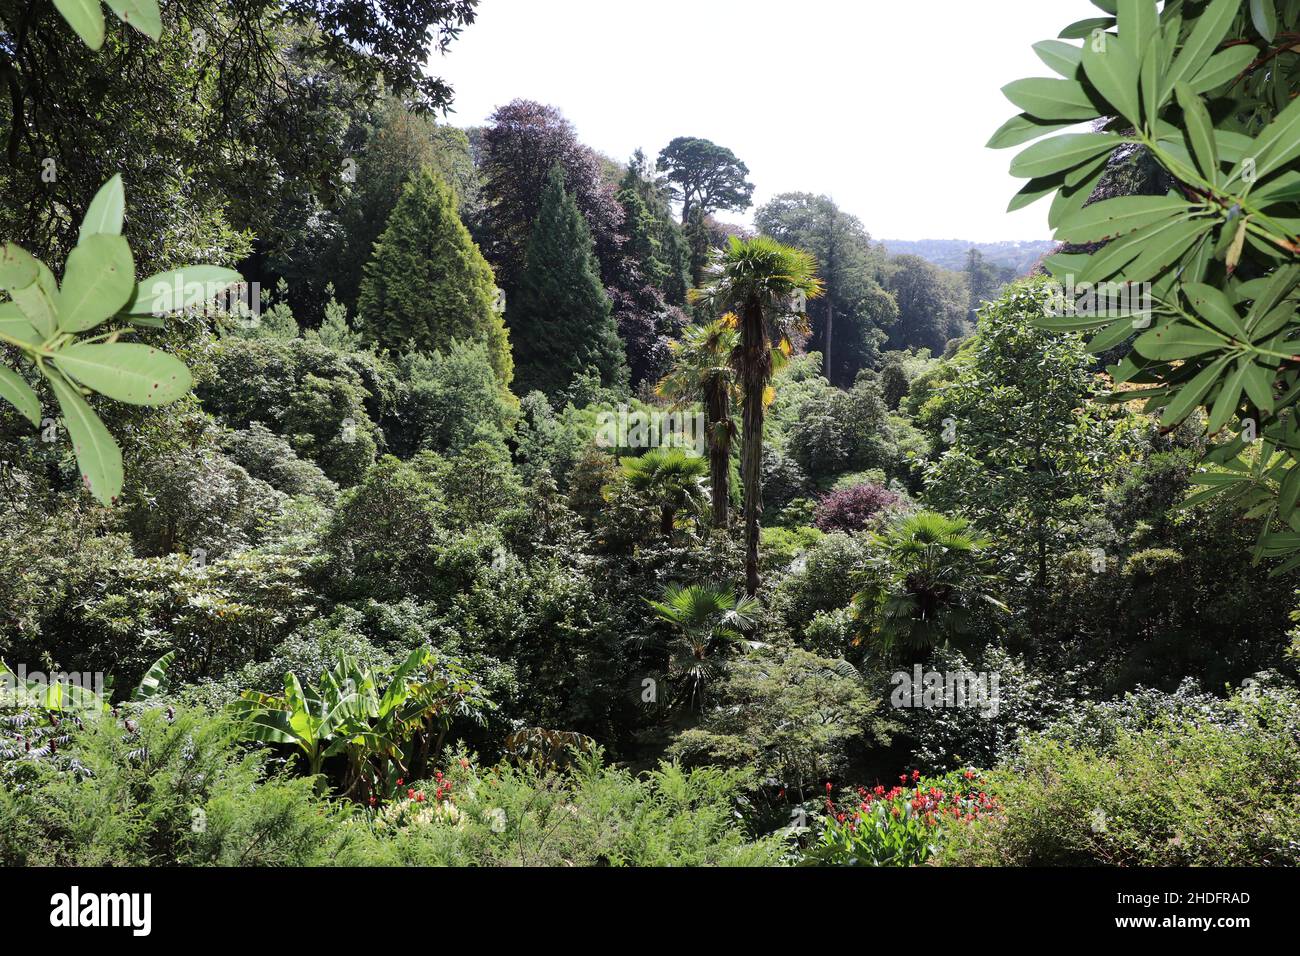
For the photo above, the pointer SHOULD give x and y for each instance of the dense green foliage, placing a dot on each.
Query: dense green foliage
(390, 586)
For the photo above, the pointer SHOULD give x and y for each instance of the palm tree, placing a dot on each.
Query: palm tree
(925, 584)
(706, 619)
(670, 477)
(702, 371)
(766, 284)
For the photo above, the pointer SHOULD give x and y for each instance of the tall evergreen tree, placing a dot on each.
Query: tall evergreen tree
(427, 284)
(560, 318)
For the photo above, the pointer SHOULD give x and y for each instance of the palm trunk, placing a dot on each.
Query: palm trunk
(756, 369)
(830, 328)
(719, 425)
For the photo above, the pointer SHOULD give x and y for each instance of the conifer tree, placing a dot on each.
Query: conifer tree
(560, 320)
(427, 284)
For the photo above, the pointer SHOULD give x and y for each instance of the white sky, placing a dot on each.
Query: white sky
(883, 105)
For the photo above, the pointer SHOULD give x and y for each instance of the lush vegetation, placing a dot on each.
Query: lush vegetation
(529, 514)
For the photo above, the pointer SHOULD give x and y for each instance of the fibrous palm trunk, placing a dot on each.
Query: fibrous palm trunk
(755, 372)
(719, 436)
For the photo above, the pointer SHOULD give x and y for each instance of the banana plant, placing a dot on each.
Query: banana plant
(320, 724)
(381, 733)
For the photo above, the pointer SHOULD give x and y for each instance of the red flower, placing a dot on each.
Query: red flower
(419, 797)
(373, 801)
(828, 786)
(399, 781)
(916, 775)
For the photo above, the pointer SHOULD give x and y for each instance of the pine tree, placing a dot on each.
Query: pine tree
(560, 319)
(427, 284)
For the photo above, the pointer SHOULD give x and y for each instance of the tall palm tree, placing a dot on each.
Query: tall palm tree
(706, 620)
(927, 579)
(670, 477)
(702, 371)
(766, 284)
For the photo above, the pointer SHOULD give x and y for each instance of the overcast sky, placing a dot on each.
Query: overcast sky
(885, 105)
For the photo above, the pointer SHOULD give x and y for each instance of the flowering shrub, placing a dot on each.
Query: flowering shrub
(901, 826)
(853, 508)
(415, 809)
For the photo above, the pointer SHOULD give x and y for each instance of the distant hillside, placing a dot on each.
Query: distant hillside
(951, 253)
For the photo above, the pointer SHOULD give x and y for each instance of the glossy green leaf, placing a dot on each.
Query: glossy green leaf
(38, 305)
(1177, 340)
(1062, 152)
(169, 292)
(1229, 397)
(1279, 142)
(106, 210)
(127, 371)
(1211, 27)
(1138, 23)
(98, 281)
(1051, 99)
(19, 394)
(1264, 16)
(1166, 247)
(1200, 131)
(1080, 185)
(1288, 493)
(1061, 57)
(1281, 189)
(1149, 77)
(1116, 255)
(1213, 305)
(1190, 395)
(1113, 70)
(1020, 129)
(1222, 68)
(86, 17)
(1033, 191)
(1084, 28)
(141, 14)
(98, 457)
(1258, 383)
(1118, 331)
(1275, 290)
(17, 267)
(1116, 217)
(15, 325)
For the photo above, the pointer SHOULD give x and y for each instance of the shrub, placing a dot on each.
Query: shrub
(1175, 793)
(853, 509)
(158, 788)
(790, 715)
(902, 826)
(1027, 700)
(589, 814)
